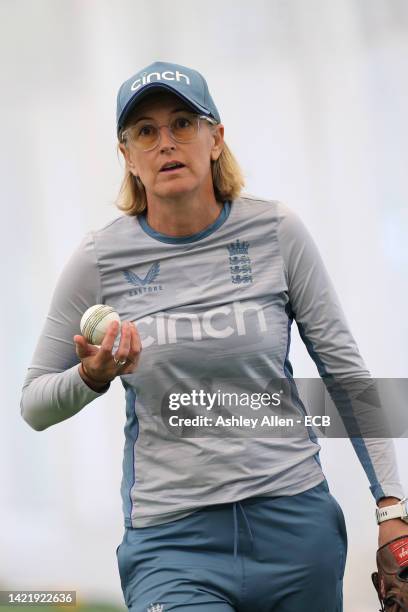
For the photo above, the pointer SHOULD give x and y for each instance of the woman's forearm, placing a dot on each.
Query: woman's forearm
(52, 398)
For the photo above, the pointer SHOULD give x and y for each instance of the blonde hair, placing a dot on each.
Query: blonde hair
(226, 173)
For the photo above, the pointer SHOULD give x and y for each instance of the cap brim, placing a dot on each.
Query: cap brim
(147, 89)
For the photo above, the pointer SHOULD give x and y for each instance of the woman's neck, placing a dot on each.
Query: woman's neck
(182, 216)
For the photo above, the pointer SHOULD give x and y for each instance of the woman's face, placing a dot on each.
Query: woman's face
(195, 176)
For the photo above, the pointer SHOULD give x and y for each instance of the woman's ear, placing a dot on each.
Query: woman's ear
(129, 163)
(218, 136)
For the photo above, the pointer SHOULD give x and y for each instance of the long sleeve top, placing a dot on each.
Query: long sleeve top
(214, 310)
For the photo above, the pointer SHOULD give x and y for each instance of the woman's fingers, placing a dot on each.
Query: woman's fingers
(101, 364)
(109, 340)
(136, 345)
(129, 348)
(124, 344)
(83, 348)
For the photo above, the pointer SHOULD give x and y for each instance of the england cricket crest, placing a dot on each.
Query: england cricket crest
(240, 262)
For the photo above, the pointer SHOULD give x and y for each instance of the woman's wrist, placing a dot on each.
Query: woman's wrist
(393, 528)
(388, 501)
(95, 385)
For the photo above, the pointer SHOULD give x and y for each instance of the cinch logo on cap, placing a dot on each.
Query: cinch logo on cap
(185, 82)
(167, 75)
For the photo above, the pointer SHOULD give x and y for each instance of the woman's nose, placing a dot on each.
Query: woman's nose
(166, 141)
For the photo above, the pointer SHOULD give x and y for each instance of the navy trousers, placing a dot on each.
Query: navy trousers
(261, 554)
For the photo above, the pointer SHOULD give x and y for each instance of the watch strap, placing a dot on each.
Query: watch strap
(399, 510)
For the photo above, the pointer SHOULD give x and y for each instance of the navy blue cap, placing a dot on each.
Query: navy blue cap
(185, 82)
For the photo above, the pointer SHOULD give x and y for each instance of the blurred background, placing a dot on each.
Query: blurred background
(314, 99)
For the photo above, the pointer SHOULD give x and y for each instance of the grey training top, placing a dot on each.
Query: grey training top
(215, 305)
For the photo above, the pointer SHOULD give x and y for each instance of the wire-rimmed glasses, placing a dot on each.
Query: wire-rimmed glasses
(145, 134)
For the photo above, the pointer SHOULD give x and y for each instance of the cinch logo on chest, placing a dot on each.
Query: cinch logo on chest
(167, 75)
(238, 318)
(146, 284)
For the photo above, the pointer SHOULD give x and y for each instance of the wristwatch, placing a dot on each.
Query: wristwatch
(399, 510)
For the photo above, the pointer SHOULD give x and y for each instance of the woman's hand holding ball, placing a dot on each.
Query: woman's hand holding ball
(98, 365)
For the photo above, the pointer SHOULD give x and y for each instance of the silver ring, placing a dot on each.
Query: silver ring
(119, 363)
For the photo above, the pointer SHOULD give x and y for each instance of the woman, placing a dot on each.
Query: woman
(208, 282)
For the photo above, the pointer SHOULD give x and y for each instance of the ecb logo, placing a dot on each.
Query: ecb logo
(240, 262)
